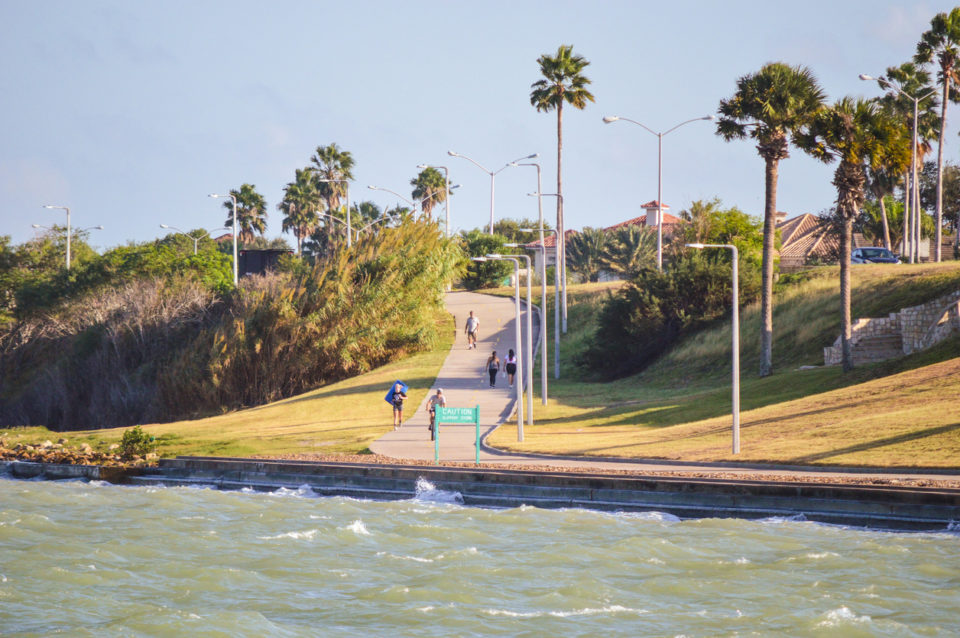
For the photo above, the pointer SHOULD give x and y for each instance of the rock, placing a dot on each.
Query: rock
(62, 441)
(46, 444)
(86, 449)
(114, 446)
(153, 456)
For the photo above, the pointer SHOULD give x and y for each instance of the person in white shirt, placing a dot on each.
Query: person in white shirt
(471, 329)
(436, 400)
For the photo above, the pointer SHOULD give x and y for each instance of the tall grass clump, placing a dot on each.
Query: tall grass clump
(164, 349)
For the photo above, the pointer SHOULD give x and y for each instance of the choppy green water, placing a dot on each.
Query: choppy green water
(91, 559)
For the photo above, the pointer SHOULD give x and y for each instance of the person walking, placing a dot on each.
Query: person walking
(437, 400)
(493, 367)
(398, 398)
(511, 363)
(471, 329)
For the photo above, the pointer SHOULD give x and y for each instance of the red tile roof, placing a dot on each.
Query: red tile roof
(668, 220)
(654, 204)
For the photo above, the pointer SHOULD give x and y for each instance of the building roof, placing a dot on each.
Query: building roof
(654, 204)
(668, 220)
(805, 237)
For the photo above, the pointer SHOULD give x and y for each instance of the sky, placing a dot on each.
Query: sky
(130, 113)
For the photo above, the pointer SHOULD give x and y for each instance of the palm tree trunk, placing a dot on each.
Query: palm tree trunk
(845, 321)
(561, 236)
(766, 295)
(886, 225)
(943, 130)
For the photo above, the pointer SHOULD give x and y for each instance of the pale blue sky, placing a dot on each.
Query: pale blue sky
(132, 112)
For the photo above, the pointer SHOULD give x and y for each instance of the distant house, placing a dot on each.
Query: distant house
(647, 220)
(805, 240)
(258, 262)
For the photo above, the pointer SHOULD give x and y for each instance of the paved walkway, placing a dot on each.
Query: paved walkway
(465, 383)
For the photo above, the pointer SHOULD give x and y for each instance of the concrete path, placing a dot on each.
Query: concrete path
(465, 383)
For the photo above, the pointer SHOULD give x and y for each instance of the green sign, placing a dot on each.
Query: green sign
(455, 416)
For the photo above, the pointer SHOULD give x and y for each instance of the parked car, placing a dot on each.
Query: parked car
(873, 256)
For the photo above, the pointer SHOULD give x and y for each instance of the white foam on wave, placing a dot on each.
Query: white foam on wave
(841, 616)
(300, 536)
(586, 611)
(358, 528)
(2, 523)
(779, 520)
(427, 492)
(415, 559)
(302, 491)
(953, 526)
(659, 517)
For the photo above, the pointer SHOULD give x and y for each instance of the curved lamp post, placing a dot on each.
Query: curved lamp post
(236, 269)
(614, 118)
(492, 174)
(69, 233)
(196, 240)
(561, 256)
(735, 330)
(67, 209)
(914, 232)
(413, 205)
(529, 340)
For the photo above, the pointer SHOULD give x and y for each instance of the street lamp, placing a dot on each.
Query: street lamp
(519, 339)
(446, 201)
(556, 303)
(492, 174)
(387, 190)
(82, 230)
(613, 118)
(529, 340)
(914, 233)
(65, 208)
(236, 270)
(347, 191)
(735, 330)
(561, 254)
(196, 240)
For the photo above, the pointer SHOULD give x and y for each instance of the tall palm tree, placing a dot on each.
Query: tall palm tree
(563, 82)
(770, 106)
(859, 134)
(332, 163)
(430, 188)
(251, 212)
(942, 41)
(301, 201)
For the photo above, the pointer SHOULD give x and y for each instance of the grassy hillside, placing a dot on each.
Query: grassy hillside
(896, 413)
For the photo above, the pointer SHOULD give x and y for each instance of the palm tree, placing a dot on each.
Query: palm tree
(860, 134)
(563, 81)
(941, 40)
(331, 163)
(770, 106)
(629, 250)
(301, 201)
(251, 212)
(430, 188)
(586, 250)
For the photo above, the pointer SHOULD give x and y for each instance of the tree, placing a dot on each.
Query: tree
(430, 188)
(301, 201)
(334, 165)
(586, 250)
(628, 250)
(484, 274)
(770, 106)
(912, 80)
(942, 41)
(859, 134)
(950, 189)
(563, 81)
(251, 212)
(510, 228)
(881, 221)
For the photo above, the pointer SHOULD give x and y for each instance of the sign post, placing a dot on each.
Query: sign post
(455, 416)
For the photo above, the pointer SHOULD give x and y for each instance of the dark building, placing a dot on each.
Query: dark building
(258, 262)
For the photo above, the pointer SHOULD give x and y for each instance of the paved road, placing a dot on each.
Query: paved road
(465, 383)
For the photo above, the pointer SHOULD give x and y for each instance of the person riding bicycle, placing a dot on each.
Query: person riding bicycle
(436, 400)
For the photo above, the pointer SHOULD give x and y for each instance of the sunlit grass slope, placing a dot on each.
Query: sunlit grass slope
(896, 413)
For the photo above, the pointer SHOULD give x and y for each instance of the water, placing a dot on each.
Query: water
(92, 559)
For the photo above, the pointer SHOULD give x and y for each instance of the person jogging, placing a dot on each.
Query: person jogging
(436, 400)
(397, 400)
(471, 329)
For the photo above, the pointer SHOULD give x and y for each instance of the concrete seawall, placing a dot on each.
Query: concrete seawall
(879, 507)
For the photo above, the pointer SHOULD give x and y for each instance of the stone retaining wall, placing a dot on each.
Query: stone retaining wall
(916, 327)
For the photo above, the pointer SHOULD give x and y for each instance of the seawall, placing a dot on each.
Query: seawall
(885, 507)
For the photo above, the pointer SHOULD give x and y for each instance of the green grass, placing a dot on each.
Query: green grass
(341, 418)
(679, 408)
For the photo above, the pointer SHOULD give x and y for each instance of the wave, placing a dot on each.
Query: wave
(427, 492)
(586, 611)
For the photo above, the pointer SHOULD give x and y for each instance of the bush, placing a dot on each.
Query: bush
(645, 317)
(135, 442)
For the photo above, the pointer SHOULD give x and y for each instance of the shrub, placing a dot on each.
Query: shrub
(135, 442)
